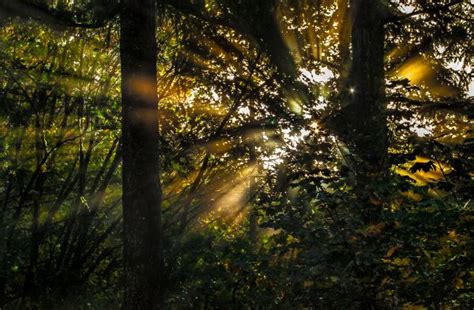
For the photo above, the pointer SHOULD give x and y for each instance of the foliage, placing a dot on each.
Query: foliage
(264, 202)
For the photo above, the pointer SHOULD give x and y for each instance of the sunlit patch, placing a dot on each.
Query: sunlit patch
(423, 178)
(295, 106)
(169, 91)
(394, 53)
(412, 195)
(197, 60)
(178, 183)
(406, 9)
(244, 111)
(270, 162)
(456, 65)
(201, 107)
(314, 43)
(315, 127)
(219, 146)
(313, 77)
(143, 86)
(288, 30)
(232, 199)
(217, 50)
(462, 66)
(256, 135)
(208, 103)
(415, 70)
(293, 139)
(424, 74)
(423, 131)
(70, 82)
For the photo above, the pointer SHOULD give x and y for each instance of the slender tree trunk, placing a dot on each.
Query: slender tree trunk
(253, 216)
(143, 259)
(29, 286)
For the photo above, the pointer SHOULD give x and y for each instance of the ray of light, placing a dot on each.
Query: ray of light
(415, 70)
(232, 204)
(421, 72)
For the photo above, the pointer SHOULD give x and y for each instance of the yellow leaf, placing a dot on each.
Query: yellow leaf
(391, 251)
(452, 235)
(412, 196)
(459, 283)
(401, 261)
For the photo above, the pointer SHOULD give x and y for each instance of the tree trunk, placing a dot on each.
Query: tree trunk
(143, 258)
(365, 114)
(366, 138)
(253, 215)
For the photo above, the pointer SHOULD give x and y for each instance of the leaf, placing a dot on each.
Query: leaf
(412, 195)
(459, 283)
(391, 251)
(401, 261)
(84, 202)
(428, 166)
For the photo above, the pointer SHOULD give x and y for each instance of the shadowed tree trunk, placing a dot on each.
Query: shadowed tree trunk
(143, 259)
(365, 114)
(366, 128)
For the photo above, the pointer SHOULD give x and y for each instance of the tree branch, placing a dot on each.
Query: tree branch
(431, 10)
(42, 13)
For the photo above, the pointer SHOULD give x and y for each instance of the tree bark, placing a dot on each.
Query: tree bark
(143, 258)
(366, 123)
(365, 114)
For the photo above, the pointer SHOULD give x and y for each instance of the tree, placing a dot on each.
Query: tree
(143, 258)
(365, 114)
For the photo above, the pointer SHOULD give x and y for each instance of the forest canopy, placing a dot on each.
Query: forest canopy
(236, 154)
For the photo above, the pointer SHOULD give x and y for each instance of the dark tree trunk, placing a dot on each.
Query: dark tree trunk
(365, 114)
(143, 259)
(366, 129)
